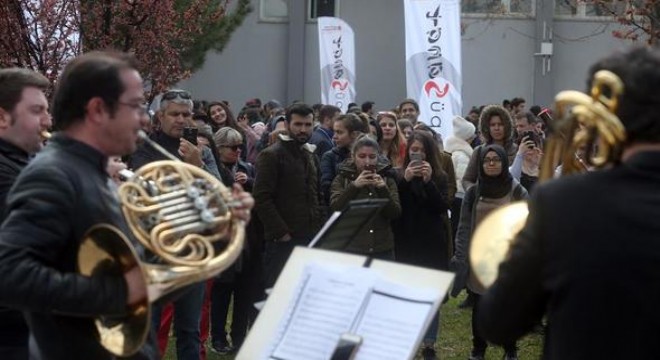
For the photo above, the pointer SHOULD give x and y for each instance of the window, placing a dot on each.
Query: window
(498, 7)
(591, 8)
(318, 8)
(274, 10)
(278, 10)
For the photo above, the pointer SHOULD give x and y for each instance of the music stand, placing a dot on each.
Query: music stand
(342, 227)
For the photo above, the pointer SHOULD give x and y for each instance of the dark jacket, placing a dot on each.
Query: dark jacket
(286, 190)
(12, 161)
(330, 166)
(377, 237)
(420, 234)
(461, 260)
(588, 259)
(322, 138)
(146, 154)
(14, 332)
(56, 199)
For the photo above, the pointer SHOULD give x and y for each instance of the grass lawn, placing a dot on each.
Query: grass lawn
(455, 340)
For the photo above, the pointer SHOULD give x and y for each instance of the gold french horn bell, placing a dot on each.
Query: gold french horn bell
(177, 212)
(586, 125)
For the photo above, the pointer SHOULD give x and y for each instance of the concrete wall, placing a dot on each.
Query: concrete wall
(498, 60)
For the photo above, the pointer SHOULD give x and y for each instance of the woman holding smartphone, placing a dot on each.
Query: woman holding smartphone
(367, 176)
(421, 235)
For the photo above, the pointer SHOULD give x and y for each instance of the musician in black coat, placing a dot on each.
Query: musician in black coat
(588, 255)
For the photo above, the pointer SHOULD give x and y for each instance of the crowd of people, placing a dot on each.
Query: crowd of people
(298, 162)
(302, 162)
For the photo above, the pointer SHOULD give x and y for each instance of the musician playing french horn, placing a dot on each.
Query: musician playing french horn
(98, 108)
(587, 257)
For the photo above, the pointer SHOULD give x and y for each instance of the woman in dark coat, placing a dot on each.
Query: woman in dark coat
(365, 176)
(421, 236)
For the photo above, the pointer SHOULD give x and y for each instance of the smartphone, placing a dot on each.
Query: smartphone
(370, 167)
(190, 134)
(347, 347)
(531, 135)
(415, 159)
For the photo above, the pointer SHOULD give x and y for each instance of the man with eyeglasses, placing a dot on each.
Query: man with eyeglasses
(59, 196)
(23, 116)
(175, 113)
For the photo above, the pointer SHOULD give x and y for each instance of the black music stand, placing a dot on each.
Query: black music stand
(341, 228)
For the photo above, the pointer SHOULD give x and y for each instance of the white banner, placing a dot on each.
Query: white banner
(433, 61)
(337, 58)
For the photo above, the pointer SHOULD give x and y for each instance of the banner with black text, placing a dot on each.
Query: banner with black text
(433, 60)
(337, 58)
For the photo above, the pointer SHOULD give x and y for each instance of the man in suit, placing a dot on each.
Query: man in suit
(588, 255)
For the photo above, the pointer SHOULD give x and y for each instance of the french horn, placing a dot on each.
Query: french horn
(180, 214)
(588, 134)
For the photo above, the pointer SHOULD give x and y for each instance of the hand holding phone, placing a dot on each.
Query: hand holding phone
(531, 136)
(415, 159)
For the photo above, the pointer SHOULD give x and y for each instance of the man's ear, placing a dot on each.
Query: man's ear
(5, 119)
(96, 109)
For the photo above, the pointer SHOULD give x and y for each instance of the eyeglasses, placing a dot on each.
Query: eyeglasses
(232, 147)
(142, 108)
(494, 160)
(173, 94)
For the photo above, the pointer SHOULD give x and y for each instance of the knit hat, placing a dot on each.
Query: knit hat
(463, 129)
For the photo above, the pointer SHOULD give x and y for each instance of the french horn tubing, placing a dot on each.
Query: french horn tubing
(588, 133)
(179, 213)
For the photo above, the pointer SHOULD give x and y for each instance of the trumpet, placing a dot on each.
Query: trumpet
(177, 212)
(586, 122)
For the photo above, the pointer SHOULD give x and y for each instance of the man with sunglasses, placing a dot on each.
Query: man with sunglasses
(174, 115)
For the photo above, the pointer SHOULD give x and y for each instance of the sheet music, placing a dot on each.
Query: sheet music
(326, 305)
(391, 321)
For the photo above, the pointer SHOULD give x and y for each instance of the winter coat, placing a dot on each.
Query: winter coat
(377, 237)
(461, 152)
(421, 234)
(286, 190)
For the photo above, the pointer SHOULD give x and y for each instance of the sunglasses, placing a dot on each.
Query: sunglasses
(232, 147)
(173, 94)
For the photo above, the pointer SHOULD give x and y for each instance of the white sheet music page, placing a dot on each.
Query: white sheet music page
(392, 321)
(327, 302)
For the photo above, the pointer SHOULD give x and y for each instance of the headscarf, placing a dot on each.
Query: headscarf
(498, 186)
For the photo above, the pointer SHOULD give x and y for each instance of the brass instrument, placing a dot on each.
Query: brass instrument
(45, 135)
(181, 214)
(586, 124)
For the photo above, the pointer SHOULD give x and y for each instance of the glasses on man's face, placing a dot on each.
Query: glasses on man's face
(492, 160)
(232, 147)
(142, 108)
(173, 94)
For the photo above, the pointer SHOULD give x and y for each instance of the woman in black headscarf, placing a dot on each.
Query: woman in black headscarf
(495, 187)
